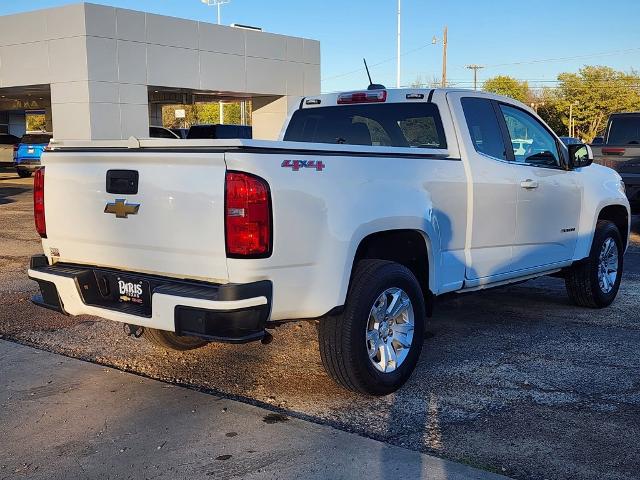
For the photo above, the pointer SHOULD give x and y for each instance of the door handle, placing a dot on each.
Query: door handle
(529, 184)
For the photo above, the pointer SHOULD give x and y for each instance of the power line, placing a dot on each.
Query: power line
(561, 59)
(524, 62)
(382, 62)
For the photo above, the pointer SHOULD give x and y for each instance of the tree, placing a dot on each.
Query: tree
(508, 86)
(205, 113)
(595, 92)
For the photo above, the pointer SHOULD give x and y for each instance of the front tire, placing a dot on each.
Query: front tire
(170, 341)
(595, 281)
(23, 173)
(373, 347)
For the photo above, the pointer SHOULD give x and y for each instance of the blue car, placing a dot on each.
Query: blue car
(30, 148)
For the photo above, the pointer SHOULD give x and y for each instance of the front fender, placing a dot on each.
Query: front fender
(601, 189)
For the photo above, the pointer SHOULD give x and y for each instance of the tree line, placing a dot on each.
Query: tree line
(591, 94)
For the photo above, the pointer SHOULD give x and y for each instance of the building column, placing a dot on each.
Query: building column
(92, 110)
(269, 114)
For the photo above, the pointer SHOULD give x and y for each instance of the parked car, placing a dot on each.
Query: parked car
(30, 148)
(372, 204)
(621, 151)
(571, 140)
(597, 141)
(219, 131)
(520, 145)
(8, 147)
(162, 132)
(181, 132)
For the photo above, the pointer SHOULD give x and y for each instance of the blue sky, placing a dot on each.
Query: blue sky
(506, 36)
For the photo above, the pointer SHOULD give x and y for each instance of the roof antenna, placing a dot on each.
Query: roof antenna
(372, 86)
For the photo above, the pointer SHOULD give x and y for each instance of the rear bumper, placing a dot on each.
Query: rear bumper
(226, 313)
(29, 165)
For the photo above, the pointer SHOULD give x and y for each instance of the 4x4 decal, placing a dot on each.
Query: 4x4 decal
(296, 165)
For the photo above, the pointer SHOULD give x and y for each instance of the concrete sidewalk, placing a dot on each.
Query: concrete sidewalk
(62, 418)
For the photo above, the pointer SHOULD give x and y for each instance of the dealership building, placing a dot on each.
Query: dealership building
(99, 72)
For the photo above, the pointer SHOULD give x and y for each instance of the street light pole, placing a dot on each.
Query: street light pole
(571, 127)
(570, 119)
(218, 4)
(398, 48)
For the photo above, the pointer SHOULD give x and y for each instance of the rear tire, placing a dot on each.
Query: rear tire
(590, 283)
(352, 348)
(170, 341)
(24, 173)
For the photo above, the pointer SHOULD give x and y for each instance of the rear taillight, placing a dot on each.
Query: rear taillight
(612, 151)
(370, 96)
(247, 215)
(38, 202)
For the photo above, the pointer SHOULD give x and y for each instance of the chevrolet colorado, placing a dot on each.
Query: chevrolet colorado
(371, 205)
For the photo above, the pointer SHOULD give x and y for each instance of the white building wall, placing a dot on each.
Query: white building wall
(100, 61)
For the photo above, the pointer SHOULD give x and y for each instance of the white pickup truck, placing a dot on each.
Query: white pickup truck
(371, 205)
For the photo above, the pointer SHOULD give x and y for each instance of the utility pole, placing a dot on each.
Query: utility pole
(475, 69)
(444, 57)
(443, 81)
(398, 47)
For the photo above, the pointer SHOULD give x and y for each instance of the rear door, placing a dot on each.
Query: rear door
(144, 211)
(493, 190)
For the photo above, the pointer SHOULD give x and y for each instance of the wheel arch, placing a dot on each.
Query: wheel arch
(619, 215)
(409, 247)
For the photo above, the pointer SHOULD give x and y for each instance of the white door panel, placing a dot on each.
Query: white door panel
(547, 217)
(492, 190)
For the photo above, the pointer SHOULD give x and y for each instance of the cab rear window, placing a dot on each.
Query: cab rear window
(412, 125)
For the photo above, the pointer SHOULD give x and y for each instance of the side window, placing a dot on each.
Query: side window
(484, 127)
(531, 142)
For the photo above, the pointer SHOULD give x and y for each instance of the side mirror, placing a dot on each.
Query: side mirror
(580, 155)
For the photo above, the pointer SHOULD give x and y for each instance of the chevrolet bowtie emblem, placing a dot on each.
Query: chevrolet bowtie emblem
(121, 208)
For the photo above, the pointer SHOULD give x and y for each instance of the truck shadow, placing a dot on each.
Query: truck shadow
(8, 194)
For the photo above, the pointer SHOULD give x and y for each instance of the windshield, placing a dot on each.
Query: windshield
(416, 125)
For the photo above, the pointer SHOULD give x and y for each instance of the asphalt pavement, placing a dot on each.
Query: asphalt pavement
(514, 380)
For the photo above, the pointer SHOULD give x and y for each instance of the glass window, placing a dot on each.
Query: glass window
(624, 130)
(483, 127)
(412, 125)
(420, 131)
(531, 142)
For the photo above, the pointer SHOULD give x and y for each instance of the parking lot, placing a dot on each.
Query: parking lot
(513, 380)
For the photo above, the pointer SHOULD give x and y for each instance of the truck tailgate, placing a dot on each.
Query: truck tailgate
(177, 231)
